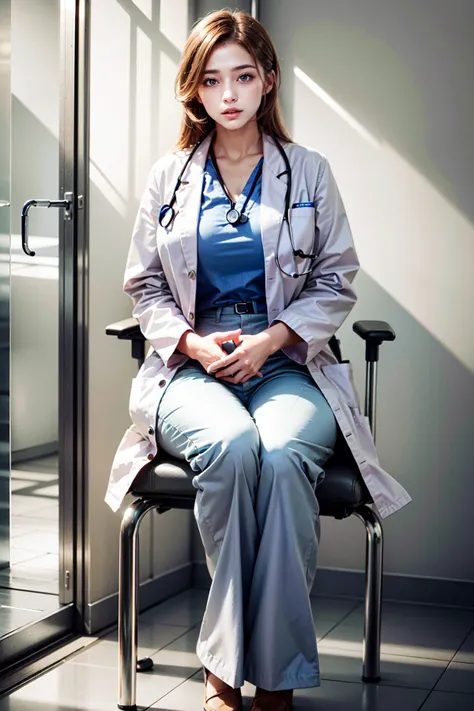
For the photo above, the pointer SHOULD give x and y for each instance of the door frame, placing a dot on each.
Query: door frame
(28, 651)
(73, 243)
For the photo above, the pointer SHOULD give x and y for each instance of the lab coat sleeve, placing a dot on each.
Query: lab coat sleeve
(328, 296)
(160, 318)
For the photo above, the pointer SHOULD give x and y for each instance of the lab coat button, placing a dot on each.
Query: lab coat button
(150, 457)
(191, 315)
(162, 383)
(151, 431)
(192, 274)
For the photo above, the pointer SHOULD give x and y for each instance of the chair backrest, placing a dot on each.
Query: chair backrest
(335, 345)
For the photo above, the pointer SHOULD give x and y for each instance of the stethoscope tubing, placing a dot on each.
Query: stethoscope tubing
(168, 209)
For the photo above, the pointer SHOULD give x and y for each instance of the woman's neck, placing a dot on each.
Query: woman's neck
(236, 145)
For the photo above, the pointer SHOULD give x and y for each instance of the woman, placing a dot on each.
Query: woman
(256, 425)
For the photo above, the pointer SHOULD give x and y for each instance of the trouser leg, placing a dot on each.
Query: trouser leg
(200, 420)
(298, 432)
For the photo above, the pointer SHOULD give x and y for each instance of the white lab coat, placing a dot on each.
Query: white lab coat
(160, 277)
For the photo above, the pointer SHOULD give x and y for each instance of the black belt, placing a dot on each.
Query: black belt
(246, 307)
(241, 308)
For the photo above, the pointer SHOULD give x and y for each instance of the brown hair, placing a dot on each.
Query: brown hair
(212, 30)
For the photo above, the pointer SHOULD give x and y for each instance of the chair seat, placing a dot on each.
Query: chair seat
(170, 481)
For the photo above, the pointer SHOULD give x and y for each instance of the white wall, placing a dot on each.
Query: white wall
(34, 174)
(135, 49)
(384, 89)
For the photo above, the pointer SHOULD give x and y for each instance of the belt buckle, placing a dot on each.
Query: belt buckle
(248, 307)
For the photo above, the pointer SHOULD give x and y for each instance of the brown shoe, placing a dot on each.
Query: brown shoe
(272, 700)
(229, 699)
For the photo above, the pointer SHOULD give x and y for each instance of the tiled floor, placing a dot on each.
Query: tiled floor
(427, 663)
(34, 533)
(29, 588)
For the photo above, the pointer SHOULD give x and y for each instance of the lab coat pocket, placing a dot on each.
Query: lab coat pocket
(303, 225)
(143, 403)
(341, 377)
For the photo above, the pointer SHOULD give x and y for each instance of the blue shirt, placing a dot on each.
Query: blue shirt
(231, 264)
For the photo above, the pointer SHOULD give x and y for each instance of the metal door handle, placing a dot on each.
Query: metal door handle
(4, 203)
(67, 204)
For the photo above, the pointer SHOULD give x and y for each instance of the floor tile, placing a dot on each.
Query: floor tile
(184, 610)
(37, 540)
(25, 505)
(21, 526)
(26, 524)
(407, 630)
(466, 653)
(330, 696)
(14, 618)
(29, 600)
(328, 612)
(443, 701)
(51, 511)
(49, 561)
(395, 670)
(457, 677)
(20, 555)
(19, 485)
(75, 687)
(52, 492)
(43, 464)
(33, 477)
(180, 655)
(21, 577)
(105, 652)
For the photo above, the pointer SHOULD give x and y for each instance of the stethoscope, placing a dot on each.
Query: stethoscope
(168, 213)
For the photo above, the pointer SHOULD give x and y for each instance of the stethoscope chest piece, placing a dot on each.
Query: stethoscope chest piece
(233, 216)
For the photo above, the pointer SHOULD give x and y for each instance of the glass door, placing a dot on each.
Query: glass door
(43, 144)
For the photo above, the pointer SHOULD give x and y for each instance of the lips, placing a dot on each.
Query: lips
(230, 112)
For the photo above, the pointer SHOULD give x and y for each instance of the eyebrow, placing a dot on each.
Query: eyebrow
(235, 69)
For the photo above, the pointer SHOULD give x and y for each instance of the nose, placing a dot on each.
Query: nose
(229, 95)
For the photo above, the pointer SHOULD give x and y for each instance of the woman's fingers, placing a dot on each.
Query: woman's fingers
(239, 377)
(221, 363)
(229, 335)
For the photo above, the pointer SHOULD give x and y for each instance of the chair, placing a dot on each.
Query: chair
(166, 484)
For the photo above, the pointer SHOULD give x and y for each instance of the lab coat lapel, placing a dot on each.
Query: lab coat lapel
(273, 196)
(188, 199)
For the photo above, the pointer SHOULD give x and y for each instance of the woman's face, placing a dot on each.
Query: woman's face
(231, 82)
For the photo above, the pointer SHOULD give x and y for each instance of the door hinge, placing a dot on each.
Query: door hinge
(67, 580)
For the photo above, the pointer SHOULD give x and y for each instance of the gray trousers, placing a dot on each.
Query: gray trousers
(258, 451)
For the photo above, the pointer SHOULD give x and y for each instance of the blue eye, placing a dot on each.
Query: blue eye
(250, 77)
(206, 80)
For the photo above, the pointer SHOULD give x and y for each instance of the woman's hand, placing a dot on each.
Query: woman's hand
(247, 359)
(206, 349)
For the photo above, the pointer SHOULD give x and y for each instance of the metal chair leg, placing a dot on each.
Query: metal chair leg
(373, 594)
(128, 607)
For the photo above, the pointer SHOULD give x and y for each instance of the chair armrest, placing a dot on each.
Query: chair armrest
(128, 329)
(373, 333)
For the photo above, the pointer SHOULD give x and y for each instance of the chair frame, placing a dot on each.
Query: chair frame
(374, 333)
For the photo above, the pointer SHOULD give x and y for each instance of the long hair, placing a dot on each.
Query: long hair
(212, 30)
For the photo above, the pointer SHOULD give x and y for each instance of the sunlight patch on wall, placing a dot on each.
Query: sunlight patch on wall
(411, 240)
(337, 108)
(143, 112)
(169, 110)
(145, 6)
(110, 95)
(174, 21)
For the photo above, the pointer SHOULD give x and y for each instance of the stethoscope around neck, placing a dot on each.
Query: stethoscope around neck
(168, 213)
